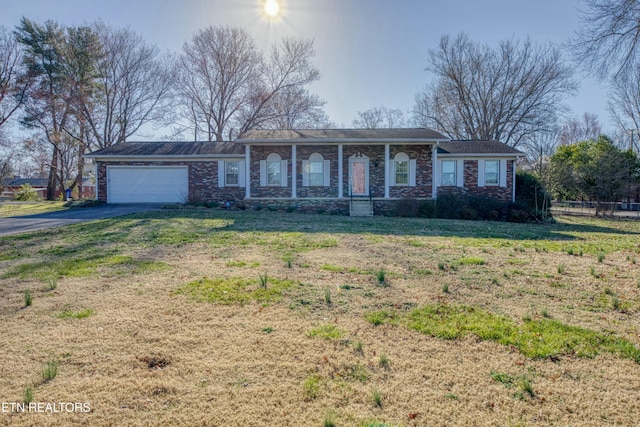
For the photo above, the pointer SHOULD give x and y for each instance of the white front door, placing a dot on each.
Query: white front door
(359, 176)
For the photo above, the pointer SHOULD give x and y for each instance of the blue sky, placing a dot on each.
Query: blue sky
(369, 52)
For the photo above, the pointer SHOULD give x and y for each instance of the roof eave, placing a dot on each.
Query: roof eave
(515, 155)
(166, 157)
(339, 141)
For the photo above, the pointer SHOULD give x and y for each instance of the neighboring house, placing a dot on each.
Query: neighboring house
(11, 185)
(357, 171)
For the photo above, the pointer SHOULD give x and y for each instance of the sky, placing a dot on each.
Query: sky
(369, 52)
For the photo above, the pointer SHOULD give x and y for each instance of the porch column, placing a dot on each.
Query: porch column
(247, 172)
(340, 172)
(294, 180)
(434, 168)
(386, 171)
(95, 171)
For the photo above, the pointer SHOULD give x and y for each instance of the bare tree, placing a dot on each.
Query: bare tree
(218, 69)
(227, 87)
(624, 106)
(574, 130)
(14, 82)
(297, 109)
(509, 94)
(133, 87)
(609, 37)
(379, 117)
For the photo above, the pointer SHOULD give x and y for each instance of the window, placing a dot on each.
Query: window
(401, 166)
(491, 172)
(449, 173)
(316, 170)
(274, 168)
(232, 173)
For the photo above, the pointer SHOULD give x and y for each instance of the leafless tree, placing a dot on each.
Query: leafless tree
(379, 117)
(132, 90)
(609, 37)
(227, 86)
(574, 130)
(297, 109)
(14, 81)
(624, 106)
(509, 94)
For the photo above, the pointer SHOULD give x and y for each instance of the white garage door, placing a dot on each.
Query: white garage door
(147, 184)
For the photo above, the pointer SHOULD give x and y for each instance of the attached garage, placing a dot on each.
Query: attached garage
(147, 184)
(169, 172)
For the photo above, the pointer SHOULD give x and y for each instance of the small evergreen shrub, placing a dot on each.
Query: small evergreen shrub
(407, 207)
(26, 193)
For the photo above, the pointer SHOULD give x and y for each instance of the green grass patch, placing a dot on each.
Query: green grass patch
(83, 266)
(235, 290)
(9, 209)
(534, 338)
(378, 317)
(236, 263)
(70, 314)
(327, 332)
(471, 261)
(329, 267)
(311, 387)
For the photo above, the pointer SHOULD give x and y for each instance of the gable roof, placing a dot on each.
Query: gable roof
(339, 135)
(173, 149)
(34, 182)
(476, 147)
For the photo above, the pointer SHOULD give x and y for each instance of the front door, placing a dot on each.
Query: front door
(359, 177)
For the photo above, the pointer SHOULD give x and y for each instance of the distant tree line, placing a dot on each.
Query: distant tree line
(74, 89)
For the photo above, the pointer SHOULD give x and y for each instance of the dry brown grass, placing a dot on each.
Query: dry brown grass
(149, 356)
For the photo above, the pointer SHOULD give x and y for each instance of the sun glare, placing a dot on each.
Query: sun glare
(271, 8)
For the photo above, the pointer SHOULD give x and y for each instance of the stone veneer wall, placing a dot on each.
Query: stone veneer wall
(333, 206)
(203, 180)
(471, 183)
(375, 153)
(329, 152)
(260, 152)
(424, 171)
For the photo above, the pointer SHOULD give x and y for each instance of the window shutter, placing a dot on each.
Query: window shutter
(305, 173)
(283, 173)
(438, 167)
(460, 173)
(242, 181)
(221, 173)
(263, 173)
(326, 173)
(480, 173)
(503, 173)
(392, 172)
(412, 173)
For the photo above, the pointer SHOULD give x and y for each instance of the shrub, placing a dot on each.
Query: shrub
(427, 209)
(407, 207)
(26, 193)
(531, 196)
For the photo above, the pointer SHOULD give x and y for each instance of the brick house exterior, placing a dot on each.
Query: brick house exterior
(322, 170)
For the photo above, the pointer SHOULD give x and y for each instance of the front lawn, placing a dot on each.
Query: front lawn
(211, 317)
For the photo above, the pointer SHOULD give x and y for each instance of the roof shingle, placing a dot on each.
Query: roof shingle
(170, 149)
(301, 135)
(476, 147)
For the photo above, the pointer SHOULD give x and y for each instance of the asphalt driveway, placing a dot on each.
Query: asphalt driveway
(23, 224)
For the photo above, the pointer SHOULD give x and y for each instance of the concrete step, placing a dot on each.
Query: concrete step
(361, 208)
